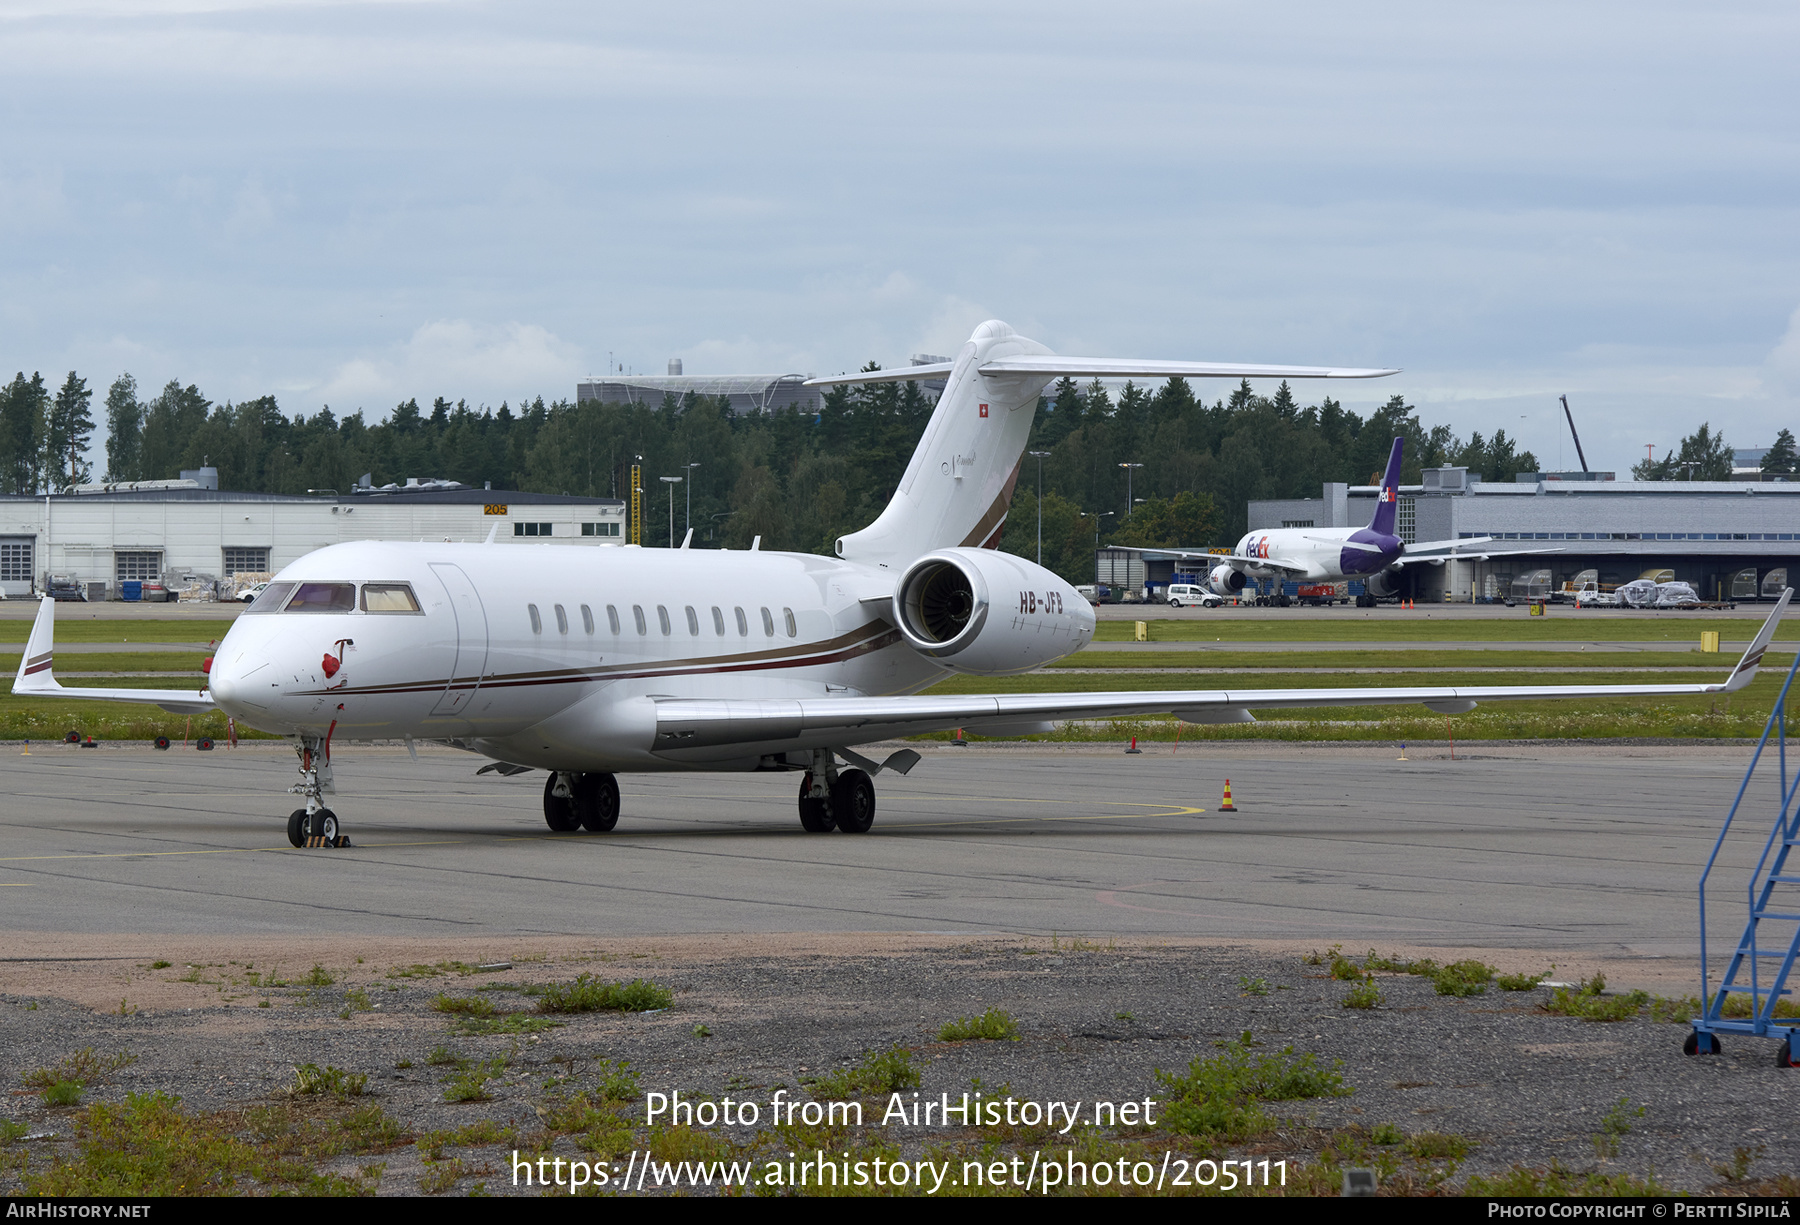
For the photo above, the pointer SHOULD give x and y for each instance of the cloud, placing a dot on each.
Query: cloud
(456, 357)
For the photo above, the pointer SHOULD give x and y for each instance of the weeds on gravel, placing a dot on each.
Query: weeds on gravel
(1559, 1180)
(147, 1145)
(84, 1067)
(1739, 1169)
(440, 1176)
(1220, 1096)
(1386, 1134)
(62, 1093)
(470, 1084)
(318, 976)
(617, 1082)
(993, 1025)
(1519, 982)
(1461, 978)
(1364, 995)
(10, 1131)
(1685, 1008)
(310, 1078)
(464, 1005)
(1252, 986)
(879, 1072)
(1586, 1003)
(1615, 1125)
(439, 970)
(588, 994)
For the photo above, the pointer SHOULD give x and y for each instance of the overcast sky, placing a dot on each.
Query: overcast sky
(351, 204)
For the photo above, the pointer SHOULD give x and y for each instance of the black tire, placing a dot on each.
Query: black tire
(597, 801)
(297, 827)
(162, 742)
(559, 811)
(1692, 1045)
(853, 802)
(815, 814)
(324, 824)
(204, 744)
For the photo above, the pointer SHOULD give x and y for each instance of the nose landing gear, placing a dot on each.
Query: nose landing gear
(315, 825)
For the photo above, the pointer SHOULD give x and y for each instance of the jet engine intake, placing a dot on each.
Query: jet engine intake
(1226, 581)
(988, 613)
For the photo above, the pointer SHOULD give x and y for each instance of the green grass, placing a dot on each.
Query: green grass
(1364, 995)
(38, 719)
(1078, 682)
(310, 1078)
(992, 1025)
(1287, 661)
(84, 1067)
(77, 627)
(1588, 1004)
(589, 994)
(107, 663)
(1521, 1181)
(1557, 627)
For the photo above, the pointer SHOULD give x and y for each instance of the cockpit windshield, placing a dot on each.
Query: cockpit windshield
(322, 598)
(336, 598)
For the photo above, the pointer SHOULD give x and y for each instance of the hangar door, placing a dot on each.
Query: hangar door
(16, 555)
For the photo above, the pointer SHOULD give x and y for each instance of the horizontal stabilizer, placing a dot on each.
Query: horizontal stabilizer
(1103, 368)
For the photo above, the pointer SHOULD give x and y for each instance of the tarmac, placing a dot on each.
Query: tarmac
(1577, 850)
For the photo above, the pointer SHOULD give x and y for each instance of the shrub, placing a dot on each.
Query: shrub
(588, 994)
(992, 1025)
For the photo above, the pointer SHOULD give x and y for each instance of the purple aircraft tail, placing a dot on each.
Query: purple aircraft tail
(1388, 501)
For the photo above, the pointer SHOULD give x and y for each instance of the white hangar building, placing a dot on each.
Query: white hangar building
(180, 531)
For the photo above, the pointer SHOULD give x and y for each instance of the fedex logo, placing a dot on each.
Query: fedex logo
(1387, 493)
(1259, 547)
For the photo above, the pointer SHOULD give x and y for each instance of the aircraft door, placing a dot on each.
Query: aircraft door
(471, 640)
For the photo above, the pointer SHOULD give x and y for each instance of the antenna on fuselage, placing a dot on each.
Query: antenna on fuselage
(492, 532)
(685, 539)
(756, 544)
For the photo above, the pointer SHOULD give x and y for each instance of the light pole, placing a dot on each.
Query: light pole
(671, 482)
(724, 514)
(1128, 468)
(1039, 456)
(1096, 517)
(690, 495)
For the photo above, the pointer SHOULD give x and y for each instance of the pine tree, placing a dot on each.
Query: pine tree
(124, 429)
(1782, 459)
(67, 432)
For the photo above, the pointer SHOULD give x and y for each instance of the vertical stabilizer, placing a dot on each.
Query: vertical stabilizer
(1387, 503)
(960, 482)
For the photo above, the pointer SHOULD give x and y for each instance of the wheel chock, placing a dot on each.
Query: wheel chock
(316, 841)
(90, 743)
(162, 743)
(204, 744)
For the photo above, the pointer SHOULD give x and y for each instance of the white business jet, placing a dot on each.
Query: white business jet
(589, 663)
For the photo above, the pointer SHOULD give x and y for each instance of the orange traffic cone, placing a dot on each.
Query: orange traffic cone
(1226, 804)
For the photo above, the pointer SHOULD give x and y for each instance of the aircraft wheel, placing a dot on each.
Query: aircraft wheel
(559, 811)
(597, 801)
(853, 802)
(815, 814)
(297, 827)
(324, 824)
(1692, 1045)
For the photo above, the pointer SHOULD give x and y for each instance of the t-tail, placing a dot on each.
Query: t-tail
(1385, 505)
(957, 488)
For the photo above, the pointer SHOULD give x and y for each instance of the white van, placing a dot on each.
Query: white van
(1182, 594)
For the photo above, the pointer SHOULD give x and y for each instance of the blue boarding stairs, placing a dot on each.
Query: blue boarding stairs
(1764, 958)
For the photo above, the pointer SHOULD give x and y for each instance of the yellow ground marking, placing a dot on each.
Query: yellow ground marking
(233, 850)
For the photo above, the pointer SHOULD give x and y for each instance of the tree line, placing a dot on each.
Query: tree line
(798, 480)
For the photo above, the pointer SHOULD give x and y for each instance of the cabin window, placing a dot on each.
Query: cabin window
(693, 621)
(637, 615)
(389, 598)
(768, 623)
(587, 618)
(718, 621)
(323, 598)
(743, 625)
(793, 630)
(537, 622)
(612, 619)
(562, 620)
(662, 618)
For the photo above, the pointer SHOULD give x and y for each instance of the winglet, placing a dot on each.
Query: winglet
(34, 665)
(492, 532)
(1745, 672)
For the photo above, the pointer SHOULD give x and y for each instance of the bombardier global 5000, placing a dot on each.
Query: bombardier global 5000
(591, 662)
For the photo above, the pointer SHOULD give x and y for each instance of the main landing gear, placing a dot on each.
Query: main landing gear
(575, 801)
(830, 800)
(315, 825)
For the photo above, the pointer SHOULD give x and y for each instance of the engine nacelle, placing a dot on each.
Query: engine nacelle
(1226, 581)
(1383, 584)
(989, 613)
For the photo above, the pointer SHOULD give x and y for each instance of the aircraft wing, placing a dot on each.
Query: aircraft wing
(35, 678)
(1105, 368)
(1237, 561)
(699, 728)
(1449, 550)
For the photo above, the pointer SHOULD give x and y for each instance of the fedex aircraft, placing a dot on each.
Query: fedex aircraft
(1374, 553)
(588, 663)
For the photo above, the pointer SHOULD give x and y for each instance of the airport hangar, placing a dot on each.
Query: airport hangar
(1730, 540)
(195, 537)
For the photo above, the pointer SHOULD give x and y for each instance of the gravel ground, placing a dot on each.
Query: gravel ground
(1096, 1023)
